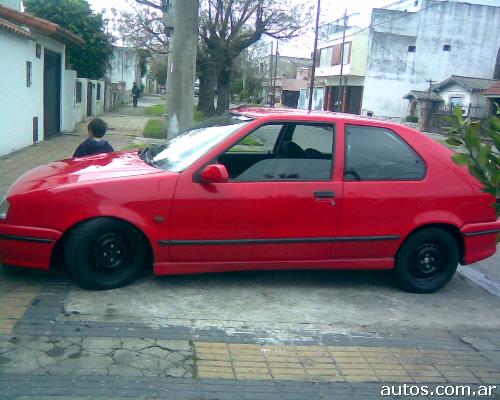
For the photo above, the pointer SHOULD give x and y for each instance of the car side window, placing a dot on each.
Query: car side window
(374, 153)
(295, 152)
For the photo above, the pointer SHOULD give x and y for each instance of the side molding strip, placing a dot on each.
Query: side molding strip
(25, 239)
(482, 232)
(273, 241)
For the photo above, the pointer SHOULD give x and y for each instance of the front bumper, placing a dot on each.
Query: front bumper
(480, 240)
(26, 246)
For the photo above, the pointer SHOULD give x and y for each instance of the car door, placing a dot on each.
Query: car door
(383, 192)
(280, 204)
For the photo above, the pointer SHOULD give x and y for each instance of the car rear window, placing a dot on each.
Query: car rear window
(374, 153)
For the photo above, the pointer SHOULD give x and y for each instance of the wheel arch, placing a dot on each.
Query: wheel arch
(452, 229)
(57, 258)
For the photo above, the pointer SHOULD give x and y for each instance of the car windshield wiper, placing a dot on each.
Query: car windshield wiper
(145, 155)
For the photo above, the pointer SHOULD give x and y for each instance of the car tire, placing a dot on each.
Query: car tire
(105, 253)
(427, 260)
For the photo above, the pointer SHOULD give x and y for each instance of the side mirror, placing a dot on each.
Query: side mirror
(214, 173)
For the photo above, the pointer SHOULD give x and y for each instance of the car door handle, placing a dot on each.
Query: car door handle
(324, 195)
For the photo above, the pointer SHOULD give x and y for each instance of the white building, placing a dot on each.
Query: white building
(37, 90)
(407, 43)
(125, 67)
(437, 40)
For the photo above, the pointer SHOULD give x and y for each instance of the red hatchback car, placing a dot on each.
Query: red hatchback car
(256, 189)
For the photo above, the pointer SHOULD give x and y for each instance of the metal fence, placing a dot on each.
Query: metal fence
(469, 111)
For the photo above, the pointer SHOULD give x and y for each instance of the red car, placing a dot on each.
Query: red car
(256, 189)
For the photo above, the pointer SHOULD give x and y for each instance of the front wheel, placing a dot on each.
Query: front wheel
(427, 260)
(105, 253)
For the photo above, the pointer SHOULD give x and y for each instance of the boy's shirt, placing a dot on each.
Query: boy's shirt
(92, 146)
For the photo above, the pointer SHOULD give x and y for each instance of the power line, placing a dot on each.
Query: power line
(409, 14)
(395, 19)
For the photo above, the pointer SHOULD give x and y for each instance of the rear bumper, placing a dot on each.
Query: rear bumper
(26, 246)
(480, 240)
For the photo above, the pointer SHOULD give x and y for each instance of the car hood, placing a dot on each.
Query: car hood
(78, 170)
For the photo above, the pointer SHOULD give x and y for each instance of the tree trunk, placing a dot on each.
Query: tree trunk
(224, 86)
(181, 82)
(206, 96)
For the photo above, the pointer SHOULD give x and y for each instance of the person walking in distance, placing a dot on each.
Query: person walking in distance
(135, 94)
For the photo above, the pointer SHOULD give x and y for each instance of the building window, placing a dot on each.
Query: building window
(446, 47)
(98, 95)
(325, 59)
(78, 89)
(456, 101)
(412, 49)
(38, 50)
(347, 53)
(28, 73)
(336, 51)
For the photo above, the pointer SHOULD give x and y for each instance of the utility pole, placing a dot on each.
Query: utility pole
(270, 81)
(313, 70)
(275, 73)
(180, 97)
(341, 77)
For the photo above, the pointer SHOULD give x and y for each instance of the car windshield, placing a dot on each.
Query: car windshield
(180, 152)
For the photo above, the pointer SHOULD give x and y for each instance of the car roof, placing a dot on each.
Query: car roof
(278, 113)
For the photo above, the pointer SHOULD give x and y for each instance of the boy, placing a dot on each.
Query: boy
(94, 144)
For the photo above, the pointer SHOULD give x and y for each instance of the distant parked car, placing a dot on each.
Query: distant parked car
(197, 87)
(256, 189)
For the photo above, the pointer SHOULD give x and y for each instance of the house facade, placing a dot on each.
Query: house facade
(472, 95)
(407, 44)
(38, 99)
(289, 77)
(125, 68)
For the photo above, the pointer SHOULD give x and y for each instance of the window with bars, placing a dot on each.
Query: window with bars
(78, 89)
(29, 71)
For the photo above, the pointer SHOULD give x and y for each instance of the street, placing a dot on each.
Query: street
(253, 335)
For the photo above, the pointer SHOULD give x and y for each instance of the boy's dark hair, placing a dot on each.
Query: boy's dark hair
(98, 127)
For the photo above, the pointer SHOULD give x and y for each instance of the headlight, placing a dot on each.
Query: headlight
(4, 208)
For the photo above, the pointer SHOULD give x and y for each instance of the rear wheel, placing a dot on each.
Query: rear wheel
(105, 253)
(427, 260)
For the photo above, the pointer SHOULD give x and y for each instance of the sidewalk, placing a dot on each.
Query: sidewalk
(55, 353)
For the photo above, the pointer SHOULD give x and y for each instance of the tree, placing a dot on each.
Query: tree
(159, 68)
(145, 27)
(227, 27)
(91, 60)
(482, 159)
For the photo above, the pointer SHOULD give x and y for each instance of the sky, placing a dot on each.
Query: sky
(299, 47)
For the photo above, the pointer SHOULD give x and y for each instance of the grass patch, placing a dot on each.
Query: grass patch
(159, 109)
(135, 146)
(155, 128)
(198, 116)
(155, 111)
